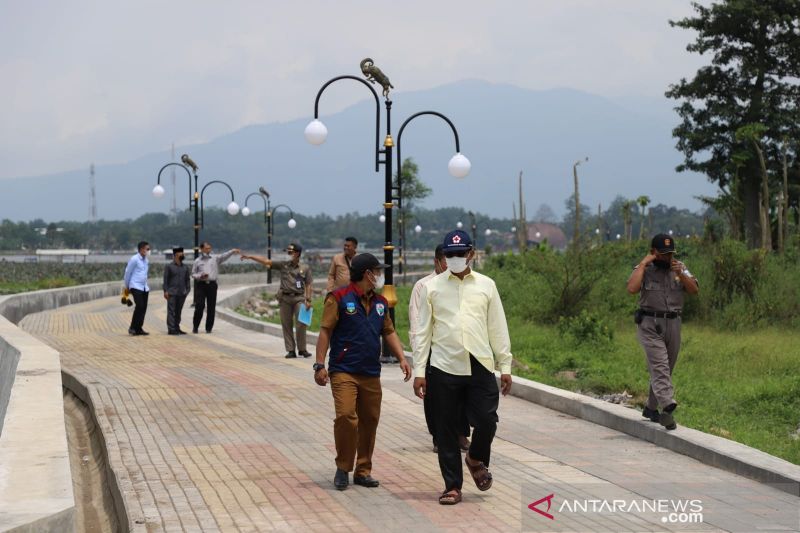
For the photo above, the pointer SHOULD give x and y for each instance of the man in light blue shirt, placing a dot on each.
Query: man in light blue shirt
(136, 282)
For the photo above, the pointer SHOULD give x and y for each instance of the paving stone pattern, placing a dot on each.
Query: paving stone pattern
(220, 433)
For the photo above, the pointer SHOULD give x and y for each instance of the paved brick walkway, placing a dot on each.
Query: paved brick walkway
(221, 433)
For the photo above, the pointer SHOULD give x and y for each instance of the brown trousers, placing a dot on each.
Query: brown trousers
(289, 309)
(357, 400)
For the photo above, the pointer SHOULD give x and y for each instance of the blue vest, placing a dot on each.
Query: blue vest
(356, 339)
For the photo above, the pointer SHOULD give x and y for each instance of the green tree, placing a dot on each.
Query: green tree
(643, 202)
(754, 47)
(410, 189)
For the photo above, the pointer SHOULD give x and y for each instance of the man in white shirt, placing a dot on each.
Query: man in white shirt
(463, 326)
(135, 281)
(439, 266)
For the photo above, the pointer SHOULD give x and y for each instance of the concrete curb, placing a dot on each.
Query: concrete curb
(709, 449)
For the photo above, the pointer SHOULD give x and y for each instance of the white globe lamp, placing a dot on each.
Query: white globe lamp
(459, 166)
(316, 132)
(292, 223)
(158, 191)
(233, 208)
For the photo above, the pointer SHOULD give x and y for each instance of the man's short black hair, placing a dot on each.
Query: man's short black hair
(439, 252)
(202, 244)
(141, 245)
(351, 239)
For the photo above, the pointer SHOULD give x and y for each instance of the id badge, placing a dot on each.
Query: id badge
(298, 284)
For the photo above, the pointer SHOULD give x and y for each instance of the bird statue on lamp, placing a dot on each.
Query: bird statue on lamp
(376, 75)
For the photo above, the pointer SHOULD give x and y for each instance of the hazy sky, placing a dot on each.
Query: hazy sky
(107, 82)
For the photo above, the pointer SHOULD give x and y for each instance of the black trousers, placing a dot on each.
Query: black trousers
(205, 293)
(479, 397)
(430, 420)
(174, 308)
(140, 300)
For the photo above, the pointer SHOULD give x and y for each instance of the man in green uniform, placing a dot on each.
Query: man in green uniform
(295, 289)
(661, 282)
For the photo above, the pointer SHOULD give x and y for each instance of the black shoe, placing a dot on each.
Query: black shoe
(366, 481)
(291, 355)
(142, 332)
(132, 331)
(666, 419)
(173, 333)
(304, 353)
(651, 414)
(181, 332)
(208, 331)
(194, 330)
(341, 479)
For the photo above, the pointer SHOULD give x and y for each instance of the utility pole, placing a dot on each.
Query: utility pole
(92, 196)
(173, 214)
(522, 223)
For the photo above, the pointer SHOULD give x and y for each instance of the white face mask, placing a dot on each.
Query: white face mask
(457, 265)
(147, 253)
(379, 281)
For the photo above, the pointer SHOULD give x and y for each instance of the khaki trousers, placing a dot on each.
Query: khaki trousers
(357, 400)
(661, 340)
(289, 309)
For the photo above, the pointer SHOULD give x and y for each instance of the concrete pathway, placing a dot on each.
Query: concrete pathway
(220, 433)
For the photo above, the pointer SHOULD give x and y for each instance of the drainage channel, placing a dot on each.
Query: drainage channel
(95, 511)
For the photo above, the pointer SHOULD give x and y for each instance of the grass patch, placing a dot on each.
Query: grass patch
(741, 385)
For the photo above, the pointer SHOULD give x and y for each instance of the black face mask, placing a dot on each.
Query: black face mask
(663, 265)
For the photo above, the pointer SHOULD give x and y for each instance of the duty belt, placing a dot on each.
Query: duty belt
(662, 314)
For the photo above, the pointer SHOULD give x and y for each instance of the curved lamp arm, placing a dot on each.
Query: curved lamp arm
(188, 172)
(203, 190)
(291, 213)
(400, 138)
(263, 198)
(377, 109)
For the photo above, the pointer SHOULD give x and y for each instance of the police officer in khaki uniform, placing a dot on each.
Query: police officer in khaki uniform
(296, 288)
(661, 282)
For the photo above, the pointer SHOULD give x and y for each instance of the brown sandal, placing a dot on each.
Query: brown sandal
(480, 474)
(450, 497)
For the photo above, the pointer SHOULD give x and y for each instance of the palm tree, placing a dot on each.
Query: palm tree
(643, 201)
(626, 218)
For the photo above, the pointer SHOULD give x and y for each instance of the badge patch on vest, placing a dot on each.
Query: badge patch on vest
(379, 307)
(350, 308)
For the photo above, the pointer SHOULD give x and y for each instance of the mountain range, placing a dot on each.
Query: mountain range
(503, 130)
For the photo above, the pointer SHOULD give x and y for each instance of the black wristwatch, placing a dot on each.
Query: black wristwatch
(318, 367)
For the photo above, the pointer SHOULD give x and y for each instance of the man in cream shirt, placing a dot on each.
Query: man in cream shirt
(462, 324)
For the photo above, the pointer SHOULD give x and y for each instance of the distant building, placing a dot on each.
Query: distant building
(538, 232)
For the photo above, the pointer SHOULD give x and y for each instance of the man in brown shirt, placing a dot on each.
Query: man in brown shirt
(296, 288)
(354, 319)
(339, 273)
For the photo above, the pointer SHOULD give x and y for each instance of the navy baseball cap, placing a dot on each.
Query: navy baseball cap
(663, 243)
(363, 262)
(457, 241)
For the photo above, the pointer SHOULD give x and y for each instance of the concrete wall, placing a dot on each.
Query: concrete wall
(35, 480)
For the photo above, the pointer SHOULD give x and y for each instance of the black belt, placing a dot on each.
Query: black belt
(661, 314)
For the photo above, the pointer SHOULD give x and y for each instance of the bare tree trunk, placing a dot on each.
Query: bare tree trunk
(522, 224)
(783, 208)
(766, 230)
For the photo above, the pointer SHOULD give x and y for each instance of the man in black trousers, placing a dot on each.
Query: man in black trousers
(176, 286)
(205, 271)
(463, 327)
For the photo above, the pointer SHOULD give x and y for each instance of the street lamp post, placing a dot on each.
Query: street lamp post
(474, 229)
(577, 232)
(271, 228)
(158, 192)
(262, 192)
(316, 133)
